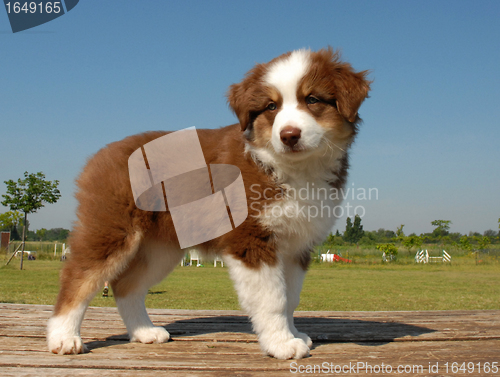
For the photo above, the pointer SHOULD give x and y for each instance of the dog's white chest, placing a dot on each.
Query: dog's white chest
(304, 216)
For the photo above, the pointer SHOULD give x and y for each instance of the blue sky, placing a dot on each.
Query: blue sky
(106, 70)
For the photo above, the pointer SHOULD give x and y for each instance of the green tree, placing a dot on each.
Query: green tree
(442, 228)
(446, 240)
(330, 239)
(412, 241)
(9, 220)
(400, 235)
(490, 233)
(28, 195)
(464, 243)
(14, 234)
(57, 234)
(41, 233)
(348, 230)
(482, 242)
(353, 232)
(389, 249)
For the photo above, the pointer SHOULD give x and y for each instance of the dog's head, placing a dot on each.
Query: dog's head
(300, 104)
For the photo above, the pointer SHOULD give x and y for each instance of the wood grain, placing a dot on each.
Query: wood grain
(221, 343)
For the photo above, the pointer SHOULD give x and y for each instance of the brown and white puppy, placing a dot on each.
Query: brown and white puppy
(298, 116)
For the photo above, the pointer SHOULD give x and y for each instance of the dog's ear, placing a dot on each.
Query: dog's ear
(249, 98)
(238, 99)
(351, 89)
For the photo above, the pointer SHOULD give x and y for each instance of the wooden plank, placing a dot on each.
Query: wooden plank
(439, 320)
(436, 314)
(14, 344)
(221, 342)
(102, 323)
(198, 356)
(103, 313)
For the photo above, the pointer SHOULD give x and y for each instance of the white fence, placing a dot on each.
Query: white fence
(422, 256)
(195, 257)
(328, 257)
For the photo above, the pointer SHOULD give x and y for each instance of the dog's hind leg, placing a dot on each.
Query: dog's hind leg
(80, 279)
(150, 265)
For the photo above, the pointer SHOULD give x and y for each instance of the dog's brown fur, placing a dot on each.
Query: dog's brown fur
(102, 242)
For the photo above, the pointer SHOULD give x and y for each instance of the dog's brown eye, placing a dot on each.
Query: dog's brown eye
(310, 100)
(272, 106)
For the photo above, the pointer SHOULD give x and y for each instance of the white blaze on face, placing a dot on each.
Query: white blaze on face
(285, 76)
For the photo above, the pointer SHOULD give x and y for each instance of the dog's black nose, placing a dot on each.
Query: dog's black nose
(290, 136)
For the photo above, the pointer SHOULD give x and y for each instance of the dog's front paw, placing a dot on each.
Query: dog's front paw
(294, 348)
(305, 338)
(64, 344)
(62, 338)
(150, 335)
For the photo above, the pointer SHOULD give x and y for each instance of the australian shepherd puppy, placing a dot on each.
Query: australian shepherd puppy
(298, 116)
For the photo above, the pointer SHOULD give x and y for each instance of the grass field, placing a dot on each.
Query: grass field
(367, 286)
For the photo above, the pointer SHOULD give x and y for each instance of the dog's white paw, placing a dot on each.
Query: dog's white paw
(305, 338)
(63, 335)
(294, 348)
(150, 335)
(64, 344)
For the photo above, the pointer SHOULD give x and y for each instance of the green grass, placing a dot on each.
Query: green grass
(401, 287)
(365, 286)
(37, 283)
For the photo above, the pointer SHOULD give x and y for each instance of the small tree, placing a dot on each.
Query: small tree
(389, 249)
(353, 232)
(400, 234)
(464, 243)
(28, 195)
(412, 241)
(41, 233)
(482, 242)
(442, 228)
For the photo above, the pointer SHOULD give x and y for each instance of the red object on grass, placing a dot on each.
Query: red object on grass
(338, 258)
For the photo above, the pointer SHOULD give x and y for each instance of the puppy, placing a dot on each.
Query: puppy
(298, 116)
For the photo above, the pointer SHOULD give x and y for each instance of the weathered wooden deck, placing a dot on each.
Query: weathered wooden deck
(220, 343)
